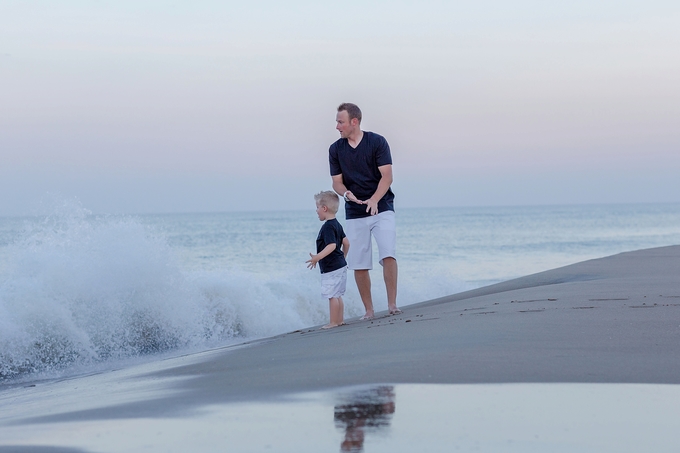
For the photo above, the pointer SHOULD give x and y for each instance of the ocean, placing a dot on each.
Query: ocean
(82, 292)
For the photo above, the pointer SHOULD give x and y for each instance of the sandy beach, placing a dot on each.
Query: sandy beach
(599, 332)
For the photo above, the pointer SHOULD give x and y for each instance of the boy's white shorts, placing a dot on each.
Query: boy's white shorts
(334, 283)
(382, 227)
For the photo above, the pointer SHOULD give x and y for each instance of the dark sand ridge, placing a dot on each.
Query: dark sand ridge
(609, 320)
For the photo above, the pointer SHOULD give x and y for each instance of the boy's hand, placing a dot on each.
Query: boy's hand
(312, 261)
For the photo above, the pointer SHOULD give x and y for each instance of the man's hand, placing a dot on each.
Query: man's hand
(312, 261)
(349, 196)
(371, 206)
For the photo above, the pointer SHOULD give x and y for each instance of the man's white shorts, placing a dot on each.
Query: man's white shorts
(359, 231)
(333, 283)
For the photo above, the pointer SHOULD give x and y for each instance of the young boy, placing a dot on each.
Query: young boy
(331, 249)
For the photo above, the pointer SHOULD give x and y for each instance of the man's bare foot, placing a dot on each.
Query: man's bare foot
(330, 326)
(395, 311)
(367, 316)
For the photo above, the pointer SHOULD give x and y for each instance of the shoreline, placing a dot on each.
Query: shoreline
(612, 320)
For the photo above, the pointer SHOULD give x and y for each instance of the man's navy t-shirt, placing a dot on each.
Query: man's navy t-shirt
(331, 232)
(359, 169)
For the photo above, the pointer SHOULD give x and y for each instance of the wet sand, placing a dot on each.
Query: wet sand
(614, 320)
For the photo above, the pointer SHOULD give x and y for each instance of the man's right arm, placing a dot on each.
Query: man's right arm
(341, 189)
(339, 184)
(338, 181)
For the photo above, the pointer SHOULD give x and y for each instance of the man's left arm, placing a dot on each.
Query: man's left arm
(383, 186)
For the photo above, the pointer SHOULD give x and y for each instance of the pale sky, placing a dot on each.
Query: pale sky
(192, 106)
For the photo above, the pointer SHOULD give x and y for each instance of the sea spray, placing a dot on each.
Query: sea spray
(77, 290)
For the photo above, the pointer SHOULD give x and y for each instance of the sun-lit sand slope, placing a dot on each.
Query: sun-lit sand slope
(615, 319)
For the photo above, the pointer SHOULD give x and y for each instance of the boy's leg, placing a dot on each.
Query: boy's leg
(335, 306)
(337, 311)
(333, 285)
(341, 312)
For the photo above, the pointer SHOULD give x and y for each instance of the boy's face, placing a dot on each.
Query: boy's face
(321, 211)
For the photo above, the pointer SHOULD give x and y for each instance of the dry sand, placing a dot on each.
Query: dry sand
(613, 320)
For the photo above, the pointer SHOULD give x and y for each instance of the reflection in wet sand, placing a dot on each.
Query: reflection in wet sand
(364, 411)
(488, 418)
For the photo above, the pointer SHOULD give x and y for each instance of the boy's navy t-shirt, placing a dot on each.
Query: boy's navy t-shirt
(359, 169)
(331, 232)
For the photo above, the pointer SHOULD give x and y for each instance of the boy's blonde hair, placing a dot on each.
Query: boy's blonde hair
(329, 199)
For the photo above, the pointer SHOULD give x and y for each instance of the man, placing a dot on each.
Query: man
(361, 168)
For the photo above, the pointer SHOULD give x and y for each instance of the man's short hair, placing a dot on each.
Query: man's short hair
(352, 110)
(329, 199)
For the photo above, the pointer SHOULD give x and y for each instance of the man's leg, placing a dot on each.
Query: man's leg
(386, 237)
(363, 279)
(360, 259)
(390, 271)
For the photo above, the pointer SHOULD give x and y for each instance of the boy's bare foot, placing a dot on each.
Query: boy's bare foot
(395, 311)
(330, 326)
(367, 316)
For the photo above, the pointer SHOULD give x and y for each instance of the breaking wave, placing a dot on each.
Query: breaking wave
(78, 290)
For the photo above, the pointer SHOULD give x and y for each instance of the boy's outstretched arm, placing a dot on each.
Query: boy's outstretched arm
(319, 256)
(345, 246)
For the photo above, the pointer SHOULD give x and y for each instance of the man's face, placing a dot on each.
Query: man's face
(344, 125)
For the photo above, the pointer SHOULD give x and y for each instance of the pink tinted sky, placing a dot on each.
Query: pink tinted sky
(212, 106)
